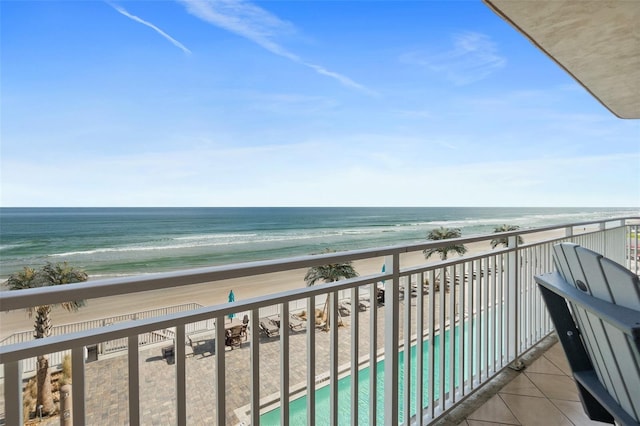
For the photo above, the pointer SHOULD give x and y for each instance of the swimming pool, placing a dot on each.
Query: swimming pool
(298, 407)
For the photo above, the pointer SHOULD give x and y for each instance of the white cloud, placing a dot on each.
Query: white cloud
(153, 27)
(473, 57)
(261, 27)
(320, 174)
(242, 18)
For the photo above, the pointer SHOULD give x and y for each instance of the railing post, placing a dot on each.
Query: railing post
(568, 231)
(13, 393)
(79, 388)
(627, 244)
(631, 246)
(355, 309)
(602, 227)
(513, 302)
(181, 374)
(332, 319)
(311, 362)
(220, 379)
(284, 363)
(255, 367)
(391, 334)
(373, 350)
(634, 241)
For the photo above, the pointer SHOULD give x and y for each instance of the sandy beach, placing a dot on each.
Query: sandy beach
(212, 293)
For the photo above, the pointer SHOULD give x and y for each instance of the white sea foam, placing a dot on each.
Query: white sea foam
(213, 236)
(220, 240)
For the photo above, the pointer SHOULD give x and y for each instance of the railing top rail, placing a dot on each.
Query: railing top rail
(126, 285)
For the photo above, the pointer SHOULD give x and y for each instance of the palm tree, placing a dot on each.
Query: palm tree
(444, 234)
(504, 241)
(329, 273)
(48, 275)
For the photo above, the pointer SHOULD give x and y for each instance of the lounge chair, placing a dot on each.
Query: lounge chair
(297, 324)
(594, 304)
(363, 304)
(270, 327)
(402, 291)
(344, 308)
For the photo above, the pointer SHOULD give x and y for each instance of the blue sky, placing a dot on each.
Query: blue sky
(296, 103)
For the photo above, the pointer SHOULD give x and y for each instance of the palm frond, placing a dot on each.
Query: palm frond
(63, 273)
(443, 233)
(48, 275)
(504, 241)
(330, 273)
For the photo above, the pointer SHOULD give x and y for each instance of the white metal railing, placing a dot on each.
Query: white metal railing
(489, 316)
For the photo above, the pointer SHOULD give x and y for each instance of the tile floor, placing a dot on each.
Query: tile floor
(542, 394)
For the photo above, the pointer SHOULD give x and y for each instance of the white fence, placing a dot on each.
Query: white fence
(58, 330)
(111, 346)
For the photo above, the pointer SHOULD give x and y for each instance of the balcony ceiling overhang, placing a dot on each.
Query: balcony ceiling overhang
(596, 42)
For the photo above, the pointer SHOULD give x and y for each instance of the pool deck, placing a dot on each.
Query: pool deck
(544, 388)
(107, 378)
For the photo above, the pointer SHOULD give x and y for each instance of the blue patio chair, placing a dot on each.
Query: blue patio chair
(594, 304)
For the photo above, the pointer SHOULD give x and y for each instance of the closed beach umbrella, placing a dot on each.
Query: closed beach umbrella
(232, 298)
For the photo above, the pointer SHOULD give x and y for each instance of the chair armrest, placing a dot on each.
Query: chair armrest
(625, 319)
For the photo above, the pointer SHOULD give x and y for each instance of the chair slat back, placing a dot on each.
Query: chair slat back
(613, 353)
(626, 291)
(567, 263)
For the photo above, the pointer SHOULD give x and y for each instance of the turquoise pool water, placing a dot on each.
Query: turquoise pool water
(298, 407)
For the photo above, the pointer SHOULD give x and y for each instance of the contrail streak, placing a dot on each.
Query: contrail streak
(259, 26)
(153, 27)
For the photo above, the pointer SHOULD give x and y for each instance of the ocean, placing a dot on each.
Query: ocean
(109, 242)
